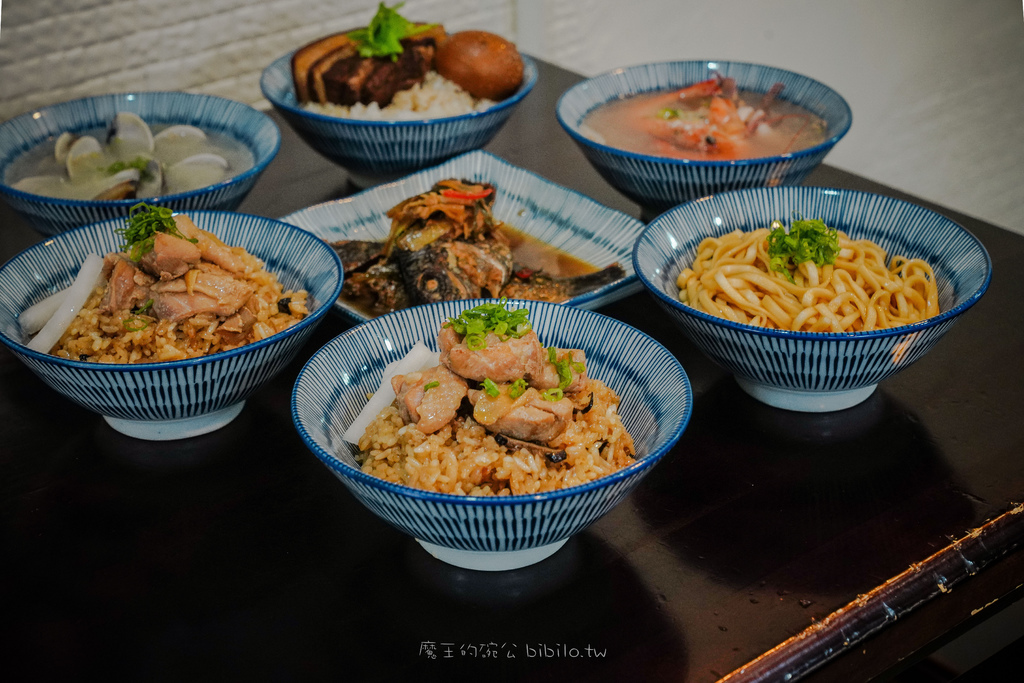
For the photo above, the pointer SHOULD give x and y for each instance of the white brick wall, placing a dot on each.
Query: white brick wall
(56, 50)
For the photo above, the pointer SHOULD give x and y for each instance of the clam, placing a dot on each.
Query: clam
(122, 185)
(62, 146)
(129, 134)
(151, 182)
(198, 170)
(82, 156)
(180, 131)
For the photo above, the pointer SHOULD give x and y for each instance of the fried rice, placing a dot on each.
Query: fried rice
(464, 459)
(124, 337)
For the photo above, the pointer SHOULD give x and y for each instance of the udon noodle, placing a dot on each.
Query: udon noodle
(730, 278)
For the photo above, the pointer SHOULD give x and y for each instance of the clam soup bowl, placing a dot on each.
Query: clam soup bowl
(657, 183)
(813, 371)
(375, 151)
(506, 532)
(171, 399)
(50, 216)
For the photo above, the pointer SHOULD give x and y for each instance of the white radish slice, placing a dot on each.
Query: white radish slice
(418, 358)
(35, 316)
(75, 298)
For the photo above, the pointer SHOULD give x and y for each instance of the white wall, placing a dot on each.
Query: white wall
(936, 86)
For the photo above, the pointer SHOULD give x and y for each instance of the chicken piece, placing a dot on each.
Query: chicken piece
(212, 292)
(500, 361)
(431, 408)
(237, 327)
(548, 377)
(211, 248)
(528, 417)
(127, 286)
(171, 257)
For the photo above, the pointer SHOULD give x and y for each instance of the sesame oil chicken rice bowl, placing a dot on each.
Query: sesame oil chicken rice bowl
(174, 292)
(494, 413)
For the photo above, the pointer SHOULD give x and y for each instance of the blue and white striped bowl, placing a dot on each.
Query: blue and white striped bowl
(658, 183)
(51, 216)
(175, 399)
(502, 532)
(374, 151)
(527, 202)
(805, 371)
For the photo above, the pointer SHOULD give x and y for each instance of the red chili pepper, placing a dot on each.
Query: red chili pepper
(455, 194)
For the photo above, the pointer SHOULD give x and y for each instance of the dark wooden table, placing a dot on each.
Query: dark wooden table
(837, 547)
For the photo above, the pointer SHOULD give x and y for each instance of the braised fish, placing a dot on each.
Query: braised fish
(445, 245)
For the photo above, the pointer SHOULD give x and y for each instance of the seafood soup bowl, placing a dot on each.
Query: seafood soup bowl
(499, 532)
(172, 399)
(375, 151)
(50, 215)
(813, 371)
(657, 183)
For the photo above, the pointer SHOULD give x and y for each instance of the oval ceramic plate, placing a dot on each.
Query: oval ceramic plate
(553, 214)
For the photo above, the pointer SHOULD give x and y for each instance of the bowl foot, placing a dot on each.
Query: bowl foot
(491, 561)
(805, 401)
(168, 430)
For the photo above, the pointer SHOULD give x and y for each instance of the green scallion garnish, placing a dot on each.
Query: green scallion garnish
(517, 388)
(490, 388)
(806, 240)
(141, 226)
(476, 323)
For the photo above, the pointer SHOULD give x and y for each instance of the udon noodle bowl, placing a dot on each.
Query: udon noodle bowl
(733, 277)
(494, 414)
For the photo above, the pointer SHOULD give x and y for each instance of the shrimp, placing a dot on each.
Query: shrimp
(711, 122)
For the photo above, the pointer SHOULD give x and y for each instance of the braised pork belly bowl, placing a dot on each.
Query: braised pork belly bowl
(174, 354)
(87, 160)
(374, 151)
(541, 240)
(670, 132)
(495, 429)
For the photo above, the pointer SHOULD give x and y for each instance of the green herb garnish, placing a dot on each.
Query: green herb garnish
(517, 388)
(383, 37)
(140, 163)
(668, 113)
(476, 323)
(564, 367)
(135, 322)
(806, 240)
(141, 226)
(430, 385)
(490, 388)
(552, 394)
(140, 310)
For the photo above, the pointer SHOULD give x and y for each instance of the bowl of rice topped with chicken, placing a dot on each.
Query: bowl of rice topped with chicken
(397, 96)
(165, 323)
(495, 429)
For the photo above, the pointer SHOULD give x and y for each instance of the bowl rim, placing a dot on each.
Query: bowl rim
(630, 281)
(901, 330)
(314, 316)
(572, 131)
(349, 472)
(259, 164)
(530, 76)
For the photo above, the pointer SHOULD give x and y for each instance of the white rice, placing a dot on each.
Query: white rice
(435, 97)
